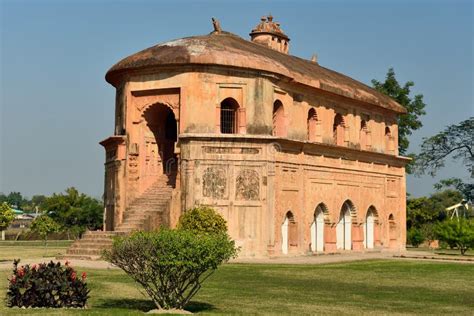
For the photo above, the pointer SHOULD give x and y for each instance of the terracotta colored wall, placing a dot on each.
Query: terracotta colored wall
(201, 94)
(297, 176)
(289, 180)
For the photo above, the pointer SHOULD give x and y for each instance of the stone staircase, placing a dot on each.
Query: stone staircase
(147, 212)
(90, 246)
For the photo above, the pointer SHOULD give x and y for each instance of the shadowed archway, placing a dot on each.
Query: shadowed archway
(162, 123)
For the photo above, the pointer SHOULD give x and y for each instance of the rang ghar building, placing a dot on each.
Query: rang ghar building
(296, 157)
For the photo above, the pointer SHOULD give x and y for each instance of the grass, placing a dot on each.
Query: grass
(10, 250)
(364, 287)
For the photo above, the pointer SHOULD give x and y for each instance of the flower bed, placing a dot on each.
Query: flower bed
(46, 285)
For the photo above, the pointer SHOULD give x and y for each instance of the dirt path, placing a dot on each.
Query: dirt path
(316, 259)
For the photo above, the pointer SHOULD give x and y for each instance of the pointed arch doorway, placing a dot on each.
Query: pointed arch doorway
(317, 229)
(371, 220)
(344, 227)
(288, 233)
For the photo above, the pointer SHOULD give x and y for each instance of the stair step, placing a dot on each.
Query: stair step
(129, 228)
(84, 244)
(99, 234)
(84, 251)
(79, 257)
(98, 238)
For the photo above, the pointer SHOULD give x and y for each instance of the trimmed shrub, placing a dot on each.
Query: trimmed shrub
(202, 219)
(170, 264)
(46, 285)
(457, 232)
(415, 237)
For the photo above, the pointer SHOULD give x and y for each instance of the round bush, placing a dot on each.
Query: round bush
(170, 264)
(202, 219)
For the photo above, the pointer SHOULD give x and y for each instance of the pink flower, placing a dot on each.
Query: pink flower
(21, 272)
(13, 279)
(73, 275)
(33, 267)
(84, 276)
(66, 263)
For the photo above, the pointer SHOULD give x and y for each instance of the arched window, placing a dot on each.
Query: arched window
(338, 130)
(229, 110)
(392, 231)
(370, 227)
(344, 227)
(363, 135)
(279, 128)
(317, 228)
(289, 233)
(312, 125)
(388, 140)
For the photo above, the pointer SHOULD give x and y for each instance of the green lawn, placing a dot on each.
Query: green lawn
(10, 250)
(364, 287)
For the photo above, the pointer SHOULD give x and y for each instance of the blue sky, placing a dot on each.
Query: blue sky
(56, 106)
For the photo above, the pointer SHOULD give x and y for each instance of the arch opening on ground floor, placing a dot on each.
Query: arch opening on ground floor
(344, 226)
(317, 228)
(370, 227)
(289, 236)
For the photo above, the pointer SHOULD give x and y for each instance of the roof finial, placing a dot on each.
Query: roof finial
(217, 25)
(314, 58)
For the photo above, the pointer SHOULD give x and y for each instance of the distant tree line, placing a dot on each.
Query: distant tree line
(70, 211)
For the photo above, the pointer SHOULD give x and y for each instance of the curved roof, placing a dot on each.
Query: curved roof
(227, 49)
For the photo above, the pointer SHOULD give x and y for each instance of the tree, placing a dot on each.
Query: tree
(428, 231)
(429, 210)
(410, 121)
(37, 201)
(458, 232)
(16, 200)
(467, 189)
(45, 225)
(74, 210)
(418, 212)
(171, 265)
(415, 237)
(455, 141)
(6, 217)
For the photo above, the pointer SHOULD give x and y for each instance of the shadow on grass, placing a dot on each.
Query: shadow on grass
(147, 305)
(127, 303)
(196, 307)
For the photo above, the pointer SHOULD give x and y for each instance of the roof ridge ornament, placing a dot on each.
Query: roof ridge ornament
(269, 33)
(217, 26)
